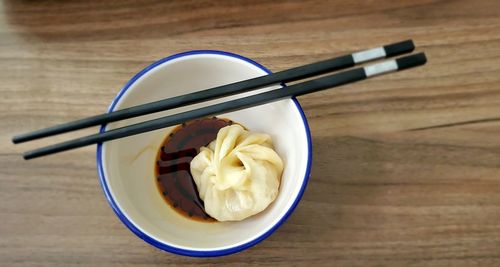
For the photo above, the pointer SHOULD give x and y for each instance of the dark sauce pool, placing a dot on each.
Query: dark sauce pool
(173, 176)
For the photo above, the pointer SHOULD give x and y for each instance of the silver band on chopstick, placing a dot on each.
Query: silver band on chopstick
(368, 55)
(380, 68)
(382, 52)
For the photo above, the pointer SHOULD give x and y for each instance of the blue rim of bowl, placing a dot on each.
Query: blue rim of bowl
(187, 252)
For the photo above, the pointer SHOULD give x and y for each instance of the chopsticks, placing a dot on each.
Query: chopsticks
(303, 88)
(289, 75)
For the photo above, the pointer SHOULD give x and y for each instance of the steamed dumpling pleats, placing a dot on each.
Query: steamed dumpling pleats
(238, 174)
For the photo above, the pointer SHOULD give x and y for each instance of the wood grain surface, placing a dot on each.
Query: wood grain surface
(406, 167)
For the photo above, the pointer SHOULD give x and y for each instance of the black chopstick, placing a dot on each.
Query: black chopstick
(307, 87)
(289, 75)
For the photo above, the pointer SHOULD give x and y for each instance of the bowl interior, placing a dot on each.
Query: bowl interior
(128, 164)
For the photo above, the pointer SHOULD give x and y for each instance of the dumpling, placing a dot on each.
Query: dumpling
(238, 174)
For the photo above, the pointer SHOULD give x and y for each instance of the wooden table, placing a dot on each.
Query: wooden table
(406, 167)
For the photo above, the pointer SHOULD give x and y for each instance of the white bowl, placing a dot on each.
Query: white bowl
(126, 166)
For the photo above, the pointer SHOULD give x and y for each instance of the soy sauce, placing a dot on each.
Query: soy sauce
(172, 169)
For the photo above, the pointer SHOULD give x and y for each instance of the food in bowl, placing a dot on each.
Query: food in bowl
(238, 174)
(126, 166)
(213, 169)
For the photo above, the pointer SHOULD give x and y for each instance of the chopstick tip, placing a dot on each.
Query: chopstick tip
(399, 48)
(411, 61)
(28, 155)
(15, 139)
